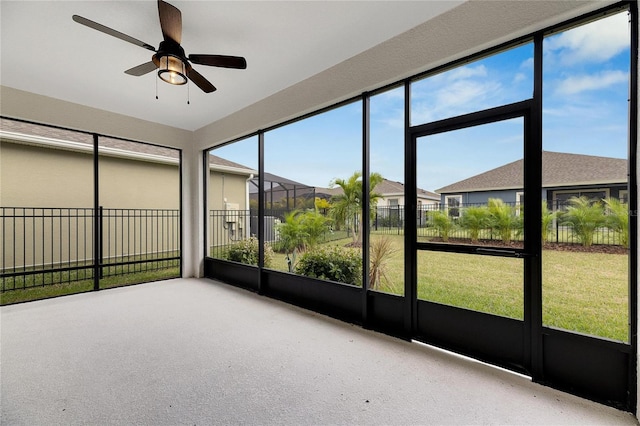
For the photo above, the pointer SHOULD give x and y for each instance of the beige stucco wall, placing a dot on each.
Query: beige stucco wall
(36, 176)
(32, 176)
(225, 227)
(229, 186)
(57, 181)
(41, 176)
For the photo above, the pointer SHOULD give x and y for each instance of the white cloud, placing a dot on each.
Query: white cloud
(582, 83)
(596, 42)
(463, 73)
(519, 77)
(527, 64)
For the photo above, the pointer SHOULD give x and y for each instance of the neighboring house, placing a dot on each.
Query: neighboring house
(48, 173)
(563, 176)
(392, 195)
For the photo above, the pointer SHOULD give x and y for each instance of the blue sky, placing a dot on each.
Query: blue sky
(585, 94)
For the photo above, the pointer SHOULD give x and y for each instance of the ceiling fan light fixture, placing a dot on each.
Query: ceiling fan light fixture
(172, 70)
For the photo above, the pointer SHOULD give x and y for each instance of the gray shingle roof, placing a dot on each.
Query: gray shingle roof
(133, 147)
(558, 169)
(384, 188)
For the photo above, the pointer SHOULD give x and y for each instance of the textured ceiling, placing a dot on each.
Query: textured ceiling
(45, 52)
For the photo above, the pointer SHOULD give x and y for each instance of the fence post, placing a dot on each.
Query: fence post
(100, 245)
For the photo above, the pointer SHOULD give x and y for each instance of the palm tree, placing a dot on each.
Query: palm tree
(347, 207)
(442, 222)
(474, 219)
(585, 217)
(292, 236)
(547, 220)
(617, 219)
(503, 218)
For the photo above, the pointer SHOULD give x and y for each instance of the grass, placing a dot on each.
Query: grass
(53, 290)
(583, 292)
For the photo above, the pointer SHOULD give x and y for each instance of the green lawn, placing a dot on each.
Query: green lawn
(583, 292)
(52, 290)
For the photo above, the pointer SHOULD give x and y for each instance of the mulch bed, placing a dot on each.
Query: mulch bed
(596, 248)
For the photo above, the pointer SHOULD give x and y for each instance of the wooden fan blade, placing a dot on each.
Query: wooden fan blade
(170, 21)
(110, 31)
(200, 81)
(142, 69)
(223, 61)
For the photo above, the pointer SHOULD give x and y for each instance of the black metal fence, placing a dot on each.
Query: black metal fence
(45, 246)
(391, 220)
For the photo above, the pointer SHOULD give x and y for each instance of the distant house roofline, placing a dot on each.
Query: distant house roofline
(559, 169)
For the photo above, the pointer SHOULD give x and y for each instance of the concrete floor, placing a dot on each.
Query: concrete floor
(193, 351)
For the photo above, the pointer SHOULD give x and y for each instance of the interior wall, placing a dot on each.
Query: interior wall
(45, 110)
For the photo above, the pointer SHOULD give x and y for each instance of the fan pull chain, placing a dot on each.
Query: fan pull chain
(156, 79)
(188, 93)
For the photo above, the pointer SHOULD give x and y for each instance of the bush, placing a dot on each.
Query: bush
(585, 217)
(503, 219)
(442, 222)
(474, 219)
(381, 249)
(246, 251)
(617, 219)
(333, 264)
(547, 220)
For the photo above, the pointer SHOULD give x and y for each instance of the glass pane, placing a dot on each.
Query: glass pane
(584, 175)
(312, 193)
(496, 80)
(232, 200)
(488, 284)
(139, 212)
(46, 215)
(386, 144)
(478, 174)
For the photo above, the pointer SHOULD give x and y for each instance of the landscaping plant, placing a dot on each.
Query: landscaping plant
(332, 263)
(441, 222)
(617, 219)
(585, 216)
(474, 219)
(503, 219)
(347, 207)
(380, 250)
(246, 251)
(547, 220)
(299, 231)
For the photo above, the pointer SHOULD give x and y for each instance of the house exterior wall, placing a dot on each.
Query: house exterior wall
(511, 196)
(36, 176)
(32, 176)
(508, 196)
(42, 178)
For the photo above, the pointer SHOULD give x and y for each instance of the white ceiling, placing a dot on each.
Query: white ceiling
(45, 52)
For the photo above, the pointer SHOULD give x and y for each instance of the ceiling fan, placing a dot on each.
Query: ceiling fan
(173, 65)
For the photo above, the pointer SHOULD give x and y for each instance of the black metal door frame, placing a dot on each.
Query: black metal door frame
(498, 340)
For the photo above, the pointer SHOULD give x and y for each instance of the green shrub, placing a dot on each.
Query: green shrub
(300, 231)
(617, 219)
(246, 251)
(503, 219)
(380, 250)
(333, 264)
(442, 222)
(585, 217)
(547, 220)
(474, 219)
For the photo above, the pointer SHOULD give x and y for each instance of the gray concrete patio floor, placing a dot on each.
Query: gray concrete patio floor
(193, 351)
